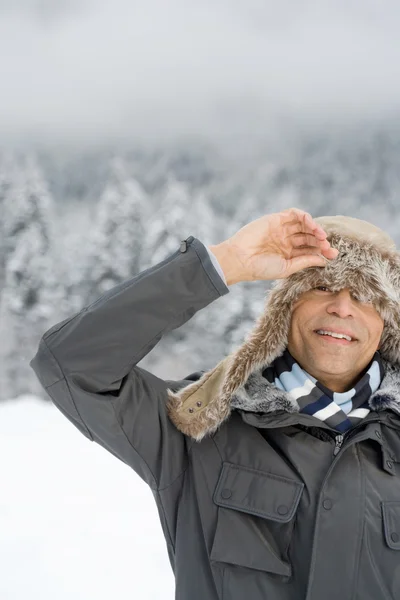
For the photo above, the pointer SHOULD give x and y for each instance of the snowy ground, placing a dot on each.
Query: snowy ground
(75, 522)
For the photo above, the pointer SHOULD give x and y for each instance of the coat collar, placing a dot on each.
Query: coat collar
(197, 411)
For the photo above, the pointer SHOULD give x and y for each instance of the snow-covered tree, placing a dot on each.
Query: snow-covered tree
(169, 224)
(179, 212)
(31, 296)
(116, 242)
(5, 241)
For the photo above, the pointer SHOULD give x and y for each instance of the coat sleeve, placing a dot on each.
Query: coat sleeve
(88, 362)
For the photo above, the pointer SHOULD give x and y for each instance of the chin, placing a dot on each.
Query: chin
(330, 364)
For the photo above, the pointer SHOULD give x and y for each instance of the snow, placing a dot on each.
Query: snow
(76, 523)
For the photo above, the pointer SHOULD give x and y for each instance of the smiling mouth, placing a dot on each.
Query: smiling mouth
(335, 338)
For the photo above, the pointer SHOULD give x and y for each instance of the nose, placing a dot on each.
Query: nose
(341, 304)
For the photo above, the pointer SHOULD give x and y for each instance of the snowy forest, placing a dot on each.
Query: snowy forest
(74, 225)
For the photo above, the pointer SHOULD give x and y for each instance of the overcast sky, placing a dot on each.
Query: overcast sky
(93, 69)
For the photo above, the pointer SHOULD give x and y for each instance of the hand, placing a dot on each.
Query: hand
(274, 247)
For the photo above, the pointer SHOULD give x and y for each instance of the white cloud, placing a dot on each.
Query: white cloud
(159, 69)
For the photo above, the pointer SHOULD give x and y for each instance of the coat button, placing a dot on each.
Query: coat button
(327, 504)
(283, 510)
(226, 493)
(394, 537)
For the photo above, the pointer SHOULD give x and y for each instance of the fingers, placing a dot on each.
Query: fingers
(299, 221)
(303, 262)
(330, 253)
(315, 228)
(307, 239)
(302, 231)
(308, 242)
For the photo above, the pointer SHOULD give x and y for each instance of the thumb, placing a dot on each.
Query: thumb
(303, 262)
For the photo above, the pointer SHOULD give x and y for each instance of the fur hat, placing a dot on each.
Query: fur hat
(367, 263)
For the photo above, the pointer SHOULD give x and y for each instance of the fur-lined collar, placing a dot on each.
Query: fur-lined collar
(195, 412)
(368, 264)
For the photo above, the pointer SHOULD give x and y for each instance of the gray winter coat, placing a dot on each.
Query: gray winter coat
(274, 505)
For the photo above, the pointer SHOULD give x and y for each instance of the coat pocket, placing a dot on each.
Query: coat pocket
(255, 518)
(391, 523)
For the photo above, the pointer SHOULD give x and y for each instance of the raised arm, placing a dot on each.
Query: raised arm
(88, 362)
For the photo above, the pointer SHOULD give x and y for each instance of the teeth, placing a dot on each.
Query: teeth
(335, 335)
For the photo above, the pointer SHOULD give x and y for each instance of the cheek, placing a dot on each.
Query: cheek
(298, 324)
(376, 329)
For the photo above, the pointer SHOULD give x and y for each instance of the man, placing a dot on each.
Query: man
(276, 473)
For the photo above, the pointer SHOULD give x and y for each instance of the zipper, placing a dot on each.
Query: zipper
(338, 443)
(340, 438)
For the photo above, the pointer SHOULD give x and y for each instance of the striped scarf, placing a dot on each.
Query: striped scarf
(341, 411)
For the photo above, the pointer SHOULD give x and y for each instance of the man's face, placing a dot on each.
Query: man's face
(337, 363)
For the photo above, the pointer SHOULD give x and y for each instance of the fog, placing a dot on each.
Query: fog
(89, 71)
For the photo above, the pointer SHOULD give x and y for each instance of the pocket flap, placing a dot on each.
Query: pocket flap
(391, 523)
(257, 492)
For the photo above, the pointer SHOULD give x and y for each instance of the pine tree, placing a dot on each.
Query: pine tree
(169, 222)
(5, 241)
(116, 242)
(32, 295)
